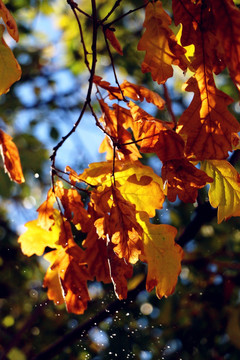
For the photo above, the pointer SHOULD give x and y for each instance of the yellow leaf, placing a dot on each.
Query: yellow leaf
(11, 157)
(46, 211)
(137, 183)
(224, 192)
(10, 70)
(159, 42)
(162, 254)
(9, 21)
(36, 239)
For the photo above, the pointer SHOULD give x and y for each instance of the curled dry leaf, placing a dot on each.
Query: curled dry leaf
(9, 21)
(11, 159)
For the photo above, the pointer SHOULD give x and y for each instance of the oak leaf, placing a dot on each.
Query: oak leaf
(113, 121)
(9, 68)
(46, 211)
(156, 136)
(224, 191)
(207, 123)
(183, 179)
(105, 265)
(137, 183)
(227, 30)
(36, 239)
(117, 225)
(68, 273)
(135, 92)
(11, 159)
(162, 255)
(160, 45)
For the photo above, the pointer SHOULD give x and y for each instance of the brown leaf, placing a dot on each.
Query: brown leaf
(207, 123)
(183, 179)
(160, 45)
(114, 41)
(9, 21)
(11, 159)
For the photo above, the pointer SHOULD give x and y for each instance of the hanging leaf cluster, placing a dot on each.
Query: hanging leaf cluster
(104, 239)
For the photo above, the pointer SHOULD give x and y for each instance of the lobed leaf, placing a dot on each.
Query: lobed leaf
(162, 255)
(160, 45)
(224, 191)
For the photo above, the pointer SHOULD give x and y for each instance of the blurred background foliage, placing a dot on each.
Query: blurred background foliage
(202, 319)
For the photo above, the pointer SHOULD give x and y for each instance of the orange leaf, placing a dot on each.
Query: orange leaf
(52, 281)
(156, 135)
(72, 204)
(163, 256)
(207, 122)
(9, 21)
(183, 179)
(68, 272)
(46, 211)
(135, 92)
(124, 229)
(118, 225)
(160, 45)
(228, 32)
(113, 121)
(105, 265)
(10, 70)
(137, 183)
(114, 41)
(11, 159)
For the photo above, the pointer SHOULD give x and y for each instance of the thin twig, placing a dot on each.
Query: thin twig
(117, 3)
(126, 14)
(113, 66)
(89, 92)
(75, 6)
(86, 53)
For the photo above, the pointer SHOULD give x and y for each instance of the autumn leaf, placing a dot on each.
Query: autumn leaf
(11, 159)
(36, 239)
(46, 211)
(156, 136)
(228, 33)
(135, 92)
(224, 192)
(105, 265)
(9, 68)
(114, 41)
(72, 205)
(207, 123)
(68, 274)
(9, 21)
(160, 45)
(118, 224)
(137, 183)
(162, 255)
(183, 179)
(113, 126)
(52, 281)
